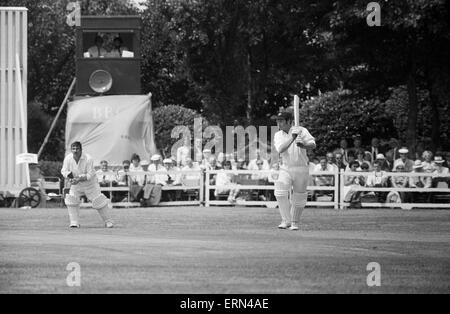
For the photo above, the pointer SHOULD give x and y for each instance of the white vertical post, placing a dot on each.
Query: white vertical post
(13, 75)
(336, 189)
(10, 158)
(207, 188)
(3, 103)
(342, 195)
(202, 187)
(22, 116)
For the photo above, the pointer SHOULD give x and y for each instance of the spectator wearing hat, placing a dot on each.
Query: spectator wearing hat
(154, 168)
(419, 182)
(407, 163)
(152, 190)
(439, 169)
(422, 181)
(383, 162)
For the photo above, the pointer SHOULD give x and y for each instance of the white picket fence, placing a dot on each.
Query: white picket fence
(201, 190)
(402, 205)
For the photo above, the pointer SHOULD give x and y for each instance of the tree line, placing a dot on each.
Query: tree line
(238, 61)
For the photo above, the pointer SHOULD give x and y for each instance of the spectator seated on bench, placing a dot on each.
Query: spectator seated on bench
(153, 182)
(228, 180)
(173, 179)
(325, 180)
(398, 182)
(378, 178)
(419, 182)
(191, 179)
(261, 178)
(106, 178)
(440, 182)
(352, 181)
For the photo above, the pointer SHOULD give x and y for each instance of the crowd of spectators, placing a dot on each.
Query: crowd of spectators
(366, 167)
(370, 167)
(145, 179)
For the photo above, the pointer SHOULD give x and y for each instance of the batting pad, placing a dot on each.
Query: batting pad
(100, 201)
(284, 205)
(103, 212)
(71, 200)
(298, 205)
(73, 214)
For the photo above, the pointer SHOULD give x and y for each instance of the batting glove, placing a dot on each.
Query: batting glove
(297, 130)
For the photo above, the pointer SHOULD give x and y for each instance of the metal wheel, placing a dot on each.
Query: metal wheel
(29, 197)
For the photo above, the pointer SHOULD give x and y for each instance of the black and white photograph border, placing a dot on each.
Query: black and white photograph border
(225, 250)
(197, 148)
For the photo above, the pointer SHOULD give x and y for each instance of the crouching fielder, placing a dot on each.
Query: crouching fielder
(79, 169)
(291, 143)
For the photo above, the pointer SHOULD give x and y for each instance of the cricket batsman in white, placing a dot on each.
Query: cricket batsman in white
(79, 169)
(291, 142)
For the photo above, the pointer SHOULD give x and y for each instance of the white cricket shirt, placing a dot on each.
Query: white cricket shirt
(294, 156)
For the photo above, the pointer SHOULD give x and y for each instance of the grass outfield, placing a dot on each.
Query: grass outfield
(225, 250)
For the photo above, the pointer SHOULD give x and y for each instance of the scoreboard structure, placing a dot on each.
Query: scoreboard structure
(108, 75)
(13, 97)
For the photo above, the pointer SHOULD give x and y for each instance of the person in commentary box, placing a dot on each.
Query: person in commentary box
(79, 169)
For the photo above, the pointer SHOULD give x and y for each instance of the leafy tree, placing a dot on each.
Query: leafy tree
(410, 48)
(166, 118)
(342, 114)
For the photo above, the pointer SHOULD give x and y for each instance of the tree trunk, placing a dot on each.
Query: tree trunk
(436, 125)
(248, 110)
(411, 132)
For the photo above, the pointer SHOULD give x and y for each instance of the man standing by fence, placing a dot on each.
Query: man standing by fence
(291, 143)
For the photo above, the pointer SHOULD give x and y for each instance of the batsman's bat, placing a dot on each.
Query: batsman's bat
(297, 112)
